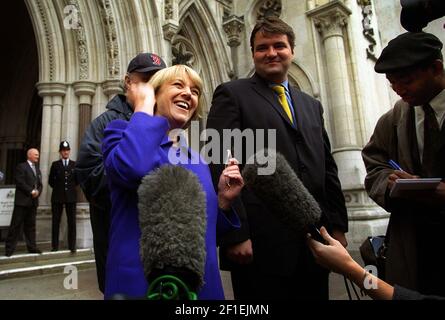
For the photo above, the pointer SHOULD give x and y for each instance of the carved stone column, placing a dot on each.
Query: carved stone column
(112, 87)
(330, 21)
(170, 26)
(52, 94)
(233, 26)
(85, 90)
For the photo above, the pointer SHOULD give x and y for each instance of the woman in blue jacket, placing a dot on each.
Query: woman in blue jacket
(132, 149)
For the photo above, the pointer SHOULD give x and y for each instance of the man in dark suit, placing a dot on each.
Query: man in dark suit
(28, 180)
(267, 260)
(63, 181)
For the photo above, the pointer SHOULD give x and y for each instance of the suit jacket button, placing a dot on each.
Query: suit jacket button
(303, 168)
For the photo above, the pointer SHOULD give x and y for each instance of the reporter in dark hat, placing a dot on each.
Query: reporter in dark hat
(413, 64)
(63, 182)
(412, 134)
(408, 50)
(89, 167)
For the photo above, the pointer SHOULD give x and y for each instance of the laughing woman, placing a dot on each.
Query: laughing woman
(171, 100)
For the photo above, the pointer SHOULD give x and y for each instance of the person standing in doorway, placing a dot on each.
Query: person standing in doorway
(63, 182)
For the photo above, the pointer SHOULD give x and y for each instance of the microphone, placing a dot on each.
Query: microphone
(172, 219)
(284, 194)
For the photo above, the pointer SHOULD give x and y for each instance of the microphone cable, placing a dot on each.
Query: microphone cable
(353, 288)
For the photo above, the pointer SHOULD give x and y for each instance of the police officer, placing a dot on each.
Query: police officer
(63, 182)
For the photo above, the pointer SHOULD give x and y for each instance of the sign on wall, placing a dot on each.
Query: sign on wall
(7, 194)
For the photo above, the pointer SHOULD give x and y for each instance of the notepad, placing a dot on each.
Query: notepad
(423, 184)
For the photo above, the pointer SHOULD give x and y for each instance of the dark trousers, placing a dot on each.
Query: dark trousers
(430, 278)
(57, 209)
(308, 282)
(22, 218)
(100, 224)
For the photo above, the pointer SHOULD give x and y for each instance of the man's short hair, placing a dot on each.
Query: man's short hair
(409, 50)
(273, 25)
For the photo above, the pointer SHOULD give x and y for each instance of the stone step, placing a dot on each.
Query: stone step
(21, 247)
(45, 256)
(26, 265)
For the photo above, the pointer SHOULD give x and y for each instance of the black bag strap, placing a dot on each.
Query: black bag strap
(353, 288)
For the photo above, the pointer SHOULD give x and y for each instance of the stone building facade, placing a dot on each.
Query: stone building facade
(72, 55)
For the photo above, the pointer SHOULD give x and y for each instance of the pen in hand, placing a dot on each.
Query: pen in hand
(395, 165)
(229, 156)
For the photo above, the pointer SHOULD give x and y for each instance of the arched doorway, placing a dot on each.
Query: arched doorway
(20, 104)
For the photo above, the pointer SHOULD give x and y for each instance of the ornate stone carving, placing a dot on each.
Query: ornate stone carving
(52, 89)
(330, 19)
(170, 26)
(181, 55)
(184, 52)
(269, 8)
(170, 29)
(84, 90)
(168, 9)
(233, 26)
(368, 31)
(228, 4)
(49, 39)
(111, 38)
(82, 44)
(112, 87)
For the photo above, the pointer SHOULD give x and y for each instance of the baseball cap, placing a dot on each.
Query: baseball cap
(146, 62)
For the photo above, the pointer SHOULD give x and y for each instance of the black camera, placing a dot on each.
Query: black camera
(315, 234)
(416, 14)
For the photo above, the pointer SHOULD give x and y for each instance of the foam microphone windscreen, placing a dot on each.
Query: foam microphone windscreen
(172, 219)
(283, 193)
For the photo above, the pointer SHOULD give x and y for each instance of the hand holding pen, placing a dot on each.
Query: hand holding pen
(230, 182)
(229, 156)
(398, 173)
(394, 165)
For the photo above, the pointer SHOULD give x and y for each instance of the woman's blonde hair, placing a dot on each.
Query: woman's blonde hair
(181, 72)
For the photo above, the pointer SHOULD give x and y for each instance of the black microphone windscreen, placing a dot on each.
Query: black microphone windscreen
(283, 193)
(172, 219)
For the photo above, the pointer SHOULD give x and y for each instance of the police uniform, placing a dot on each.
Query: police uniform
(63, 182)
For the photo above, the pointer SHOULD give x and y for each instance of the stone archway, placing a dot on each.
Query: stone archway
(20, 104)
(199, 44)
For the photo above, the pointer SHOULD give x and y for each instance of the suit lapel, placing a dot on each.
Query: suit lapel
(298, 107)
(442, 138)
(29, 169)
(261, 87)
